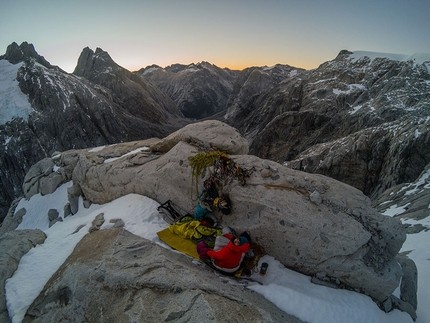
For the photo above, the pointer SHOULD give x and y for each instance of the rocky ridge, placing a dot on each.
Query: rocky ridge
(311, 223)
(362, 121)
(204, 90)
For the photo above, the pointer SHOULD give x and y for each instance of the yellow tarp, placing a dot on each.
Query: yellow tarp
(186, 246)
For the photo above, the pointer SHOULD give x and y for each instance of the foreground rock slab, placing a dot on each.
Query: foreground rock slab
(311, 223)
(115, 276)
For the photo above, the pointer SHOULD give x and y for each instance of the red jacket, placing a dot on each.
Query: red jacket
(229, 256)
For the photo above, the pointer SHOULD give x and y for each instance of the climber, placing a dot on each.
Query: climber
(228, 252)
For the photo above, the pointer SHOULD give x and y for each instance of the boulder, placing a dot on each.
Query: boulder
(40, 173)
(129, 279)
(13, 245)
(309, 222)
(206, 134)
(409, 285)
(53, 217)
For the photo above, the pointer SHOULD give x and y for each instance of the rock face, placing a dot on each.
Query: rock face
(311, 223)
(362, 121)
(204, 90)
(250, 84)
(101, 104)
(199, 90)
(141, 99)
(13, 245)
(129, 279)
(206, 135)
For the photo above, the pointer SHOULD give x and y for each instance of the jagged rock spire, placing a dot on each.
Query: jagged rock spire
(25, 51)
(91, 63)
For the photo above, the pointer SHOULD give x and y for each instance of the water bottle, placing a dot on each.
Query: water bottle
(263, 268)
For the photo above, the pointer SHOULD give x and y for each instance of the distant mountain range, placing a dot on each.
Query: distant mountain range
(362, 118)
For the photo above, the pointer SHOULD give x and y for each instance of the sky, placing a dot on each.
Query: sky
(290, 291)
(228, 33)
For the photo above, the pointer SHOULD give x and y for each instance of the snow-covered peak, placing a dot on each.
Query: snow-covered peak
(418, 58)
(13, 103)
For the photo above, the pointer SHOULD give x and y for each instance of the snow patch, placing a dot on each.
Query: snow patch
(96, 149)
(109, 160)
(13, 103)
(193, 69)
(351, 88)
(293, 73)
(417, 133)
(394, 210)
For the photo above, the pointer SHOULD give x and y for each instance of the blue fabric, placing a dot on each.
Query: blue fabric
(200, 212)
(243, 240)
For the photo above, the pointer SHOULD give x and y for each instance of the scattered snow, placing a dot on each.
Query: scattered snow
(290, 291)
(394, 210)
(420, 184)
(356, 108)
(13, 103)
(268, 68)
(293, 73)
(350, 89)
(192, 69)
(7, 140)
(324, 81)
(417, 133)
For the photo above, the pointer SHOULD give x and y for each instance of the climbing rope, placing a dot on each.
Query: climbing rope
(201, 162)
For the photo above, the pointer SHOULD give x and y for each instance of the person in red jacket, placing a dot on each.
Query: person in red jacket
(229, 257)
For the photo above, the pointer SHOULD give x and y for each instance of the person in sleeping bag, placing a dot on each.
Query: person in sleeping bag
(229, 257)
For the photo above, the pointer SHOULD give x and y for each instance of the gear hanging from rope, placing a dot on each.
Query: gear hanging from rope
(223, 169)
(201, 162)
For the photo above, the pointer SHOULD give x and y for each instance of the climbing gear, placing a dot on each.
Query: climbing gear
(168, 208)
(224, 170)
(223, 203)
(201, 162)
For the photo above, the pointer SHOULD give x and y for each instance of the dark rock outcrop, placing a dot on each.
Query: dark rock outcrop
(25, 52)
